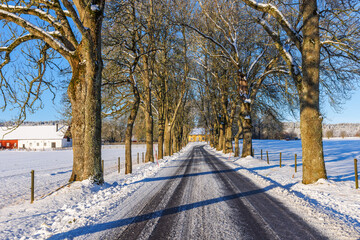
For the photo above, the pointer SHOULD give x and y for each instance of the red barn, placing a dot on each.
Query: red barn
(9, 144)
(38, 137)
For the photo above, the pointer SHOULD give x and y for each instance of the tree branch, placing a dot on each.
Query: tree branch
(37, 32)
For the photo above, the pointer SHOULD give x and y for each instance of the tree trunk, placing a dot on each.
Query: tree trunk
(247, 138)
(221, 137)
(310, 117)
(247, 127)
(228, 148)
(174, 140)
(211, 136)
(228, 133)
(149, 156)
(216, 135)
(85, 95)
(167, 139)
(237, 147)
(128, 132)
(161, 127)
(237, 138)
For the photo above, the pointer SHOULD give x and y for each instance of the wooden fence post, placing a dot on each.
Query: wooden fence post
(295, 162)
(118, 164)
(280, 159)
(142, 157)
(267, 157)
(32, 185)
(356, 174)
(102, 166)
(261, 155)
(138, 158)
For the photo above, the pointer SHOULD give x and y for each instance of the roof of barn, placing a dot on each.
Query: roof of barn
(40, 132)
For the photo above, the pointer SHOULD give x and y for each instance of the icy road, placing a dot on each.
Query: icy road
(200, 197)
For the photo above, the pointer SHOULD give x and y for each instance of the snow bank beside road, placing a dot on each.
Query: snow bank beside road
(81, 204)
(326, 204)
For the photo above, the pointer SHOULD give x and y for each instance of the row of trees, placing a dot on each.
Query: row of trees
(147, 68)
(239, 62)
(146, 60)
(263, 55)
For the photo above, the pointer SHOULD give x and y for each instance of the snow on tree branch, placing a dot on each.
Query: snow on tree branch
(280, 18)
(284, 52)
(31, 11)
(37, 32)
(254, 63)
(228, 55)
(75, 17)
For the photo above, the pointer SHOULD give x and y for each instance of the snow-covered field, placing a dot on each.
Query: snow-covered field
(52, 170)
(82, 204)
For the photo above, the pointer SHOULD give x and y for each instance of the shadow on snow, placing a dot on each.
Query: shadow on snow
(156, 214)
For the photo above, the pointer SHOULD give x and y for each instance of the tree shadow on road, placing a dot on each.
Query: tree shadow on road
(156, 214)
(186, 175)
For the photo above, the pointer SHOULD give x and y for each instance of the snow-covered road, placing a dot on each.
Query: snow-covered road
(200, 197)
(198, 193)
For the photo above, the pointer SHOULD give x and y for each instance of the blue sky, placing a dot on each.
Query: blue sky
(349, 114)
(51, 111)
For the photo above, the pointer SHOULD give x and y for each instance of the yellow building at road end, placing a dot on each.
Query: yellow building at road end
(197, 135)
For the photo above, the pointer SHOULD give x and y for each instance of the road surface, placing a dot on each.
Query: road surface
(203, 198)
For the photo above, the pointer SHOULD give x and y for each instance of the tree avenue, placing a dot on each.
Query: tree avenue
(235, 68)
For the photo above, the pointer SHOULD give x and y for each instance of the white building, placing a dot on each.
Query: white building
(37, 137)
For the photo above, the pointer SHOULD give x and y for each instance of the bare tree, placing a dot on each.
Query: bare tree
(329, 134)
(307, 80)
(73, 29)
(343, 134)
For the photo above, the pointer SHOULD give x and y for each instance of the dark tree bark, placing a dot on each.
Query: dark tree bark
(310, 116)
(221, 140)
(149, 156)
(247, 129)
(161, 127)
(237, 138)
(129, 129)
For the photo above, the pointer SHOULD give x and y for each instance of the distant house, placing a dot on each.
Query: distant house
(35, 137)
(197, 135)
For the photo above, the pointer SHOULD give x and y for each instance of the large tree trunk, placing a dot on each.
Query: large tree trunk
(247, 138)
(221, 140)
(149, 156)
(228, 133)
(310, 117)
(161, 127)
(228, 138)
(245, 117)
(211, 138)
(167, 139)
(85, 96)
(237, 138)
(128, 132)
(175, 138)
(216, 135)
